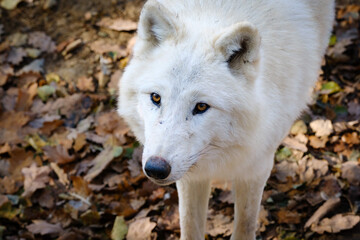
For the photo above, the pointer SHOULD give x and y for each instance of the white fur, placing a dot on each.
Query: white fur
(181, 54)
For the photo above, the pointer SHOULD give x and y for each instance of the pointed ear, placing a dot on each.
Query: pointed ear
(155, 24)
(240, 45)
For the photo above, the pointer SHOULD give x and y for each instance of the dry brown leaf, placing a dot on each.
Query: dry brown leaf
(354, 108)
(42, 41)
(322, 211)
(285, 169)
(5, 148)
(111, 123)
(299, 127)
(317, 142)
(157, 194)
(35, 178)
(80, 142)
(50, 126)
(322, 128)
(8, 185)
(42, 227)
(219, 225)
(336, 224)
(263, 219)
(5, 71)
(351, 138)
(99, 163)
(63, 178)
(81, 187)
(46, 199)
(101, 46)
(58, 154)
(140, 229)
(71, 46)
(351, 172)
(36, 66)
(294, 144)
(289, 217)
(85, 84)
(330, 188)
(11, 124)
(16, 55)
(115, 79)
(118, 24)
(3, 199)
(170, 219)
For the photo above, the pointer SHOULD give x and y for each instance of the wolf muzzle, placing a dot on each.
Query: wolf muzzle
(157, 168)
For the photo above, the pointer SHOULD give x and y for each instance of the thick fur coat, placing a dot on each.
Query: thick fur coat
(252, 62)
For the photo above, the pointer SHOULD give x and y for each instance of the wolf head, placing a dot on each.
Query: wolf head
(188, 92)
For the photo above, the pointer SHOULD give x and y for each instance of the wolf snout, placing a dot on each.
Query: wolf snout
(157, 168)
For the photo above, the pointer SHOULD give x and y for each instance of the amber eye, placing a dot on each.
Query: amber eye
(155, 98)
(200, 108)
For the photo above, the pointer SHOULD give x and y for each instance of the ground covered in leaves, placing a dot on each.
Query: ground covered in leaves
(71, 169)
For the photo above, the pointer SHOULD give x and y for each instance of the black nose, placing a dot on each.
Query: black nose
(157, 168)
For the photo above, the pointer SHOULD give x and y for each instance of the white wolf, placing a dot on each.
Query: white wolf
(213, 88)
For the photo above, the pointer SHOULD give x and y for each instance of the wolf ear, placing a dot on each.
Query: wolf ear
(240, 45)
(155, 24)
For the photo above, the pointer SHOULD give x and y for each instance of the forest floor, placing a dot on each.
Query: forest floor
(70, 168)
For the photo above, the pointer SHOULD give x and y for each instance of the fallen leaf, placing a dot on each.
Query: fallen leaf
(101, 46)
(80, 142)
(80, 186)
(263, 220)
(119, 229)
(298, 127)
(42, 41)
(85, 84)
(17, 39)
(36, 66)
(140, 229)
(330, 188)
(351, 172)
(330, 88)
(317, 142)
(58, 154)
(46, 199)
(11, 124)
(322, 211)
(322, 128)
(118, 24)
(285, 169)
(294, 144)
(219, 225)
(336, 224)
(35, 178)
(44, 92)
(63, 178)
(351, 138)
(42, 227)
(9, 4)
(100, 162)
(354, 108)
(5, 71)
(289, 217)
(71, 46)
(90, 217)
(16, 55)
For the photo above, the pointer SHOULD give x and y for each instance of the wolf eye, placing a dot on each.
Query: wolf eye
(155, 98)
(200, 108)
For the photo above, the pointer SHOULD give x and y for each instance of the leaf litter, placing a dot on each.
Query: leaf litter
(71, 168)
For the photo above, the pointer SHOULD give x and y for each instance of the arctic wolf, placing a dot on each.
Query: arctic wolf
(212, 89)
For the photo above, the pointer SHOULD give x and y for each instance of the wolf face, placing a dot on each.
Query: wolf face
(179, 104)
